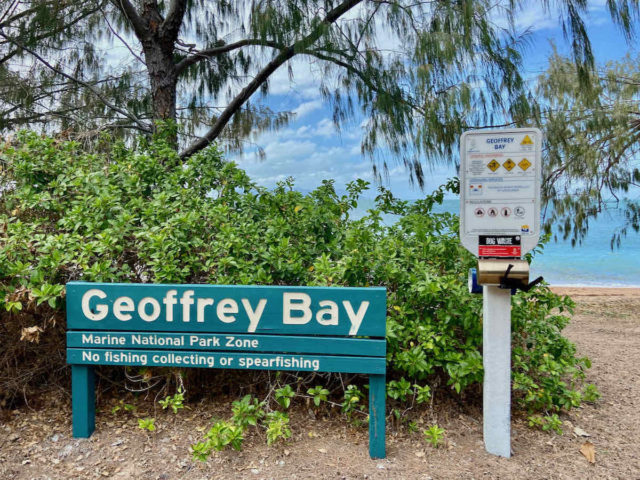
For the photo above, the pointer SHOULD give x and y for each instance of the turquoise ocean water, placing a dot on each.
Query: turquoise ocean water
(592, 263)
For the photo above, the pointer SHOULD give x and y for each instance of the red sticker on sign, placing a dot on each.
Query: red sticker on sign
(499, 251)
(501, 246)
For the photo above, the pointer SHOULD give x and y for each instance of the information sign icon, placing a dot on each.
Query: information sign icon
(493, 165)
(509, 164)
(524, 164)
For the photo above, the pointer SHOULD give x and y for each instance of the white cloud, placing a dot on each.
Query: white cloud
(305, 108)
(355, 149)
(303, 131)
(534, 17)
(325, 128)
(283, 151)
(310, 154)
(303, 82)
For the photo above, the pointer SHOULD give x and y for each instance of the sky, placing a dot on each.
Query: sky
(310, 149)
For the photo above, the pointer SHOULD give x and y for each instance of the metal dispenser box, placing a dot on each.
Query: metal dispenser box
(500, 272)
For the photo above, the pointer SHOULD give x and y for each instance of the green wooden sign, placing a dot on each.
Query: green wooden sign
(223, 308)
(240, 361)
(318, 329)
(227, 342)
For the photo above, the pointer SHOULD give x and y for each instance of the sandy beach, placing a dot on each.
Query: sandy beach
(597, 291)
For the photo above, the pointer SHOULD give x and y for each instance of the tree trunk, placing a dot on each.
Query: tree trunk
(158, 43)
(163, 79)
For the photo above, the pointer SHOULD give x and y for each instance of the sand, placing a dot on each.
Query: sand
(598, 291)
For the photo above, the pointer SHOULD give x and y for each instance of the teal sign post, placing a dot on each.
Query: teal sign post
(318, 329)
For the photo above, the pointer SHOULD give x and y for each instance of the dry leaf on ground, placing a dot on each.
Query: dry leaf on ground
(589, 451)
(31, 334)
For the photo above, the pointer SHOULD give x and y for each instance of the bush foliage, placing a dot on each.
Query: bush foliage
(117, 214)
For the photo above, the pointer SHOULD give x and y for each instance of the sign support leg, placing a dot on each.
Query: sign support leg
(496, 330)
(83, 400)
(377, 387)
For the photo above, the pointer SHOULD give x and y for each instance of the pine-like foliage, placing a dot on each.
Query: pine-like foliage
(592, 144)
(420, 72)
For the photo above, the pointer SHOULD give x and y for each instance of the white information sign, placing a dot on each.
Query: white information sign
(500, 175)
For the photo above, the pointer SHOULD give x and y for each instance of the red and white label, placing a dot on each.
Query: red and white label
(499, 251)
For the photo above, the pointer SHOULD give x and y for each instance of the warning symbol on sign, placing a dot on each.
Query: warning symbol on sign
(524, 164)
(509, 164)
(493, 165)
(526, 140)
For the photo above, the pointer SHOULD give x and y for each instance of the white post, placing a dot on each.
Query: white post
(496, 347)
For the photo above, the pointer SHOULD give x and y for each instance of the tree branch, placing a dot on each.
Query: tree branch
(350, 68)
(131, 14)
(215, 51)
(40, 117)
(6, 21)
(262, 76)
(11, 7)
(172, 23)
(137, 57)
(60, 29)
(91, 88)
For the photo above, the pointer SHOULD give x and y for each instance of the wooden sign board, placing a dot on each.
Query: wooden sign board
(226, 308)
(318, 329)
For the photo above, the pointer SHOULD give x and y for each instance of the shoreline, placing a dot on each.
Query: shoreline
(592, 291)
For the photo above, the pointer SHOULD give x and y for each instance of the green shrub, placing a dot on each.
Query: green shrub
(174, 402)
(117, 214)
(319, 394)
(284, 395)
(147, 424)
(248, 412)
(434, 435)
(221, 435)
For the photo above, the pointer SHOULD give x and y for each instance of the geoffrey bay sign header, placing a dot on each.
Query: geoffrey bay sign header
(220, 308)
